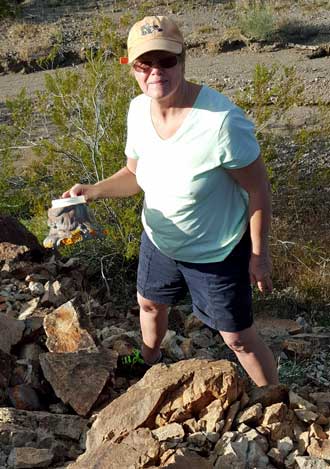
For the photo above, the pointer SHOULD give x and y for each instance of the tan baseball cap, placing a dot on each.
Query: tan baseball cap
(154, 33)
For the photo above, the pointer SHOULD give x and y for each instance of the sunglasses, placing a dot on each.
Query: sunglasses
(144, 66)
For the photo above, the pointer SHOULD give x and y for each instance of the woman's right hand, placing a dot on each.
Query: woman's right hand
(87, 190)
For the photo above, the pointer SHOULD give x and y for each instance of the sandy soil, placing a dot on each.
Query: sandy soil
(231, 70)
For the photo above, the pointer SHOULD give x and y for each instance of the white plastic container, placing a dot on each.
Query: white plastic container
(67, 201)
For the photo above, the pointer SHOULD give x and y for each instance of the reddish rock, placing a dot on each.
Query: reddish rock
(65, 330)
(17, 241)
(78, 378)
(189, 384)
(319, 448)
(139, 449)
(24, 397)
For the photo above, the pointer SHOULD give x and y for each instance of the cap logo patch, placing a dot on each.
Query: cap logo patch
(150, 28)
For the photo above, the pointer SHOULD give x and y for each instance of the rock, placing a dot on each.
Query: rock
(253, 435)
(213, 437)
(187, 460)
(213, 413)
(303, 442)
(169, 432)
(191, 425)
(274, 414)
(311, 463)
(36, 288)
(275, 327)
(306, 416)
(290, 460)
(276, 457)
(320, 397)
(78, 378)
(304, 344)
(54, 294)
(280, 430)
(14, 332)
(268, 395)
(242, 428)
(202, 338)
(187, 347)
(315, 340)
(139, 449)
(171, 346)
(317, 432)
(16, 240)
(230, 417)
(24, 428)
(26, 457)
(179, 415)
(232, 453)
(285, 446)
(192, 323)
(298, 401)
(24, 397)
(66, 331)
(256, 456)
(197, 439)
(28, 309)
(319, 449)
(251, 416)
(190, 384)
(30, 352)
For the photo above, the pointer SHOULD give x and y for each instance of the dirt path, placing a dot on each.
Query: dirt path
(231, 70)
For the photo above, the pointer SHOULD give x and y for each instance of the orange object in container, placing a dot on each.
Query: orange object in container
(70, 220)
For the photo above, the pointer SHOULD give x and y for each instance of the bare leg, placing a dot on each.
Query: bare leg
(253, 354)
(153, 321)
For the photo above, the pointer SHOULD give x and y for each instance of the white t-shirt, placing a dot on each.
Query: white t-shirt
(193, 210)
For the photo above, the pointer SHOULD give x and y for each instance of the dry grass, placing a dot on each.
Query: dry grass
(31, 41)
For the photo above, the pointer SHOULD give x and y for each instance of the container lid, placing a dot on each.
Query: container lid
(66, 202)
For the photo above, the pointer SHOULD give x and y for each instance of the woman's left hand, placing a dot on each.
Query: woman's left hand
(260, 272)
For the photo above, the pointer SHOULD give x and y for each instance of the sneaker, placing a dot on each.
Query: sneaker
(133, 365)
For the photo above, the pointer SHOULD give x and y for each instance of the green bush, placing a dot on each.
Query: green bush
(257, 23)
(8, 8)
(300, 235)
(84, 117)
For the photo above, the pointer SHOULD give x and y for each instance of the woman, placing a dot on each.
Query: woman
(207, 208)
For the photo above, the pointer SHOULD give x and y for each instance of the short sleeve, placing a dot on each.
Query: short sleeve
(238, 146)
(130, 152)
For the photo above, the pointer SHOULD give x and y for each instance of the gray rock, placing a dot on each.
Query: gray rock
(14, 332)
(305, 462)
(78, 378)
(27, 457)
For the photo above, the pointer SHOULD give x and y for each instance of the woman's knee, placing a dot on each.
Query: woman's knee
(150, 306)
(241, 342)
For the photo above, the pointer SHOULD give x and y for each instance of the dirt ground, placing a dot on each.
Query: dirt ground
(203, 23)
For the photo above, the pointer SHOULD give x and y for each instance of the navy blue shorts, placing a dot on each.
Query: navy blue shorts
(220, 291)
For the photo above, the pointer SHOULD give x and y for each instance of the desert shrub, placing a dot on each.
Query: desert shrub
(271, 92)
(83, 113)
(22, 41)
(301, 203)
(257, 22)
(8, 8)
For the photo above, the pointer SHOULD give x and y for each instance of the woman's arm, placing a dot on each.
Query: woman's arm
(253, 178)
(121, 184)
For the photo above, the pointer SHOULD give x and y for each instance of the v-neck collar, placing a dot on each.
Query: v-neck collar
(184, 123)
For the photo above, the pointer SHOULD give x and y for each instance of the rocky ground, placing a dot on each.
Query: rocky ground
(59, 376)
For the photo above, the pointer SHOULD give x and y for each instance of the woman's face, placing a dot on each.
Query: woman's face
(159, 74)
